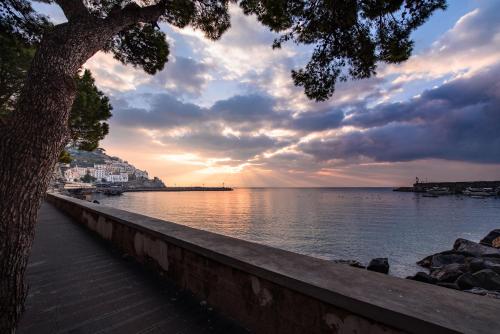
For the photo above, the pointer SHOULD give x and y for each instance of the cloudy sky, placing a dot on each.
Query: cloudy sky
(228, 111)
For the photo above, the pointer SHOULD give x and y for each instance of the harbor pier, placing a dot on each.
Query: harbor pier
(453, 187)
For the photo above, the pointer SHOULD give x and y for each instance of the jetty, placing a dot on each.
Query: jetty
(453, 187)
(173, 189)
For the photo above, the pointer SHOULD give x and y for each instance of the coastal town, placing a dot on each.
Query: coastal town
(111, 171)
(96, 170)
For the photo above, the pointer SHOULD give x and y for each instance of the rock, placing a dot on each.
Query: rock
(492, 260)
(467, 281)
(425, 262)
(475, 249)
(442, 256)
(380, 265)
(488, 279)
(449, 273)
(483, 292)
(422, 277)
(441, 260)
(493, 266)
(352, 263)
(492, 239)
(476, 264)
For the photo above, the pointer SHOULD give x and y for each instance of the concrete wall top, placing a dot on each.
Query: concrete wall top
(405, 304)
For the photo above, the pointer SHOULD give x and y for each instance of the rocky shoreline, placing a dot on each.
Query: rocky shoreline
(469, 266)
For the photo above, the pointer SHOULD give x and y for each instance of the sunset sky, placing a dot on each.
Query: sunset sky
(227, 111)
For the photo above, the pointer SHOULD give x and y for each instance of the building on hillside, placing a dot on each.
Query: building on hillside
(124, 177)
(141, 174)
(71, 175)
(113, 178)
(99, 174)
(80, 170)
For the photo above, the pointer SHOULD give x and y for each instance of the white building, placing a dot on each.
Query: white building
(71, 174)
(122, 177)
(99, 174)
(80, 170)
(75, 173)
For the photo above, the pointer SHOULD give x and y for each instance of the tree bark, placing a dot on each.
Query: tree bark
(36, 133)
(30, 144)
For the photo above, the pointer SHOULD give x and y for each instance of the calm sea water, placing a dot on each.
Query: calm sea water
(328, 223)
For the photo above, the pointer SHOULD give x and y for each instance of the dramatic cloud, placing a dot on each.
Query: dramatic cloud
(112, 76)
(230, 108)
(184, 76)
(250, 110)
(164, 111)
(457, 121)
(317, 121)
(472, 44)
(214, 143)
(244, 49)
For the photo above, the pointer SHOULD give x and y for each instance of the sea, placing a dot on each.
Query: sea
(328, 223)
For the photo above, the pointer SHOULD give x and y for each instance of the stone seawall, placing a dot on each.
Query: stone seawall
(274, 291)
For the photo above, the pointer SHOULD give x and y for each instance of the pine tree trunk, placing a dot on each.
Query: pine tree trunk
(30, 143)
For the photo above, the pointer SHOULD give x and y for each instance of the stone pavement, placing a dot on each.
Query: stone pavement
(78, 284)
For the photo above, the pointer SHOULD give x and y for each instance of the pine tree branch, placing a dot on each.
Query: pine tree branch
(133, 13)
(73, 8)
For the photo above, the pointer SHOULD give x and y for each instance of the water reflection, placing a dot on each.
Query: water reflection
(327, 223)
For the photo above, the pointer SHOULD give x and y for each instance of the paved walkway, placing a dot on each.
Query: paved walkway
(79, 285)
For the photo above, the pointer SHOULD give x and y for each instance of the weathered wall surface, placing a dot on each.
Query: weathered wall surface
(275, 291)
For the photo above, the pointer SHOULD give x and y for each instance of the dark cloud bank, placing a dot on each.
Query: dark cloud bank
(459, 120)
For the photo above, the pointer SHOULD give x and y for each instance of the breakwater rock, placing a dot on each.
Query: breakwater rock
(470, 266)
(380, 265)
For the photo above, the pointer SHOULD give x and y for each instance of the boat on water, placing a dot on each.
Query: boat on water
(479, 192)
(109, 189)
(113, 191)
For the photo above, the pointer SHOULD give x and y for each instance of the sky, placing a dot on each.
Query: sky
(228, 112)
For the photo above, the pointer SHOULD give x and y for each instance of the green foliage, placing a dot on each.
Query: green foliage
(144, 45)
(22, 20)
(15, 59)
(141, 45)
(90, 109)
(350, 37)
(87, 178)
(65, 157)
